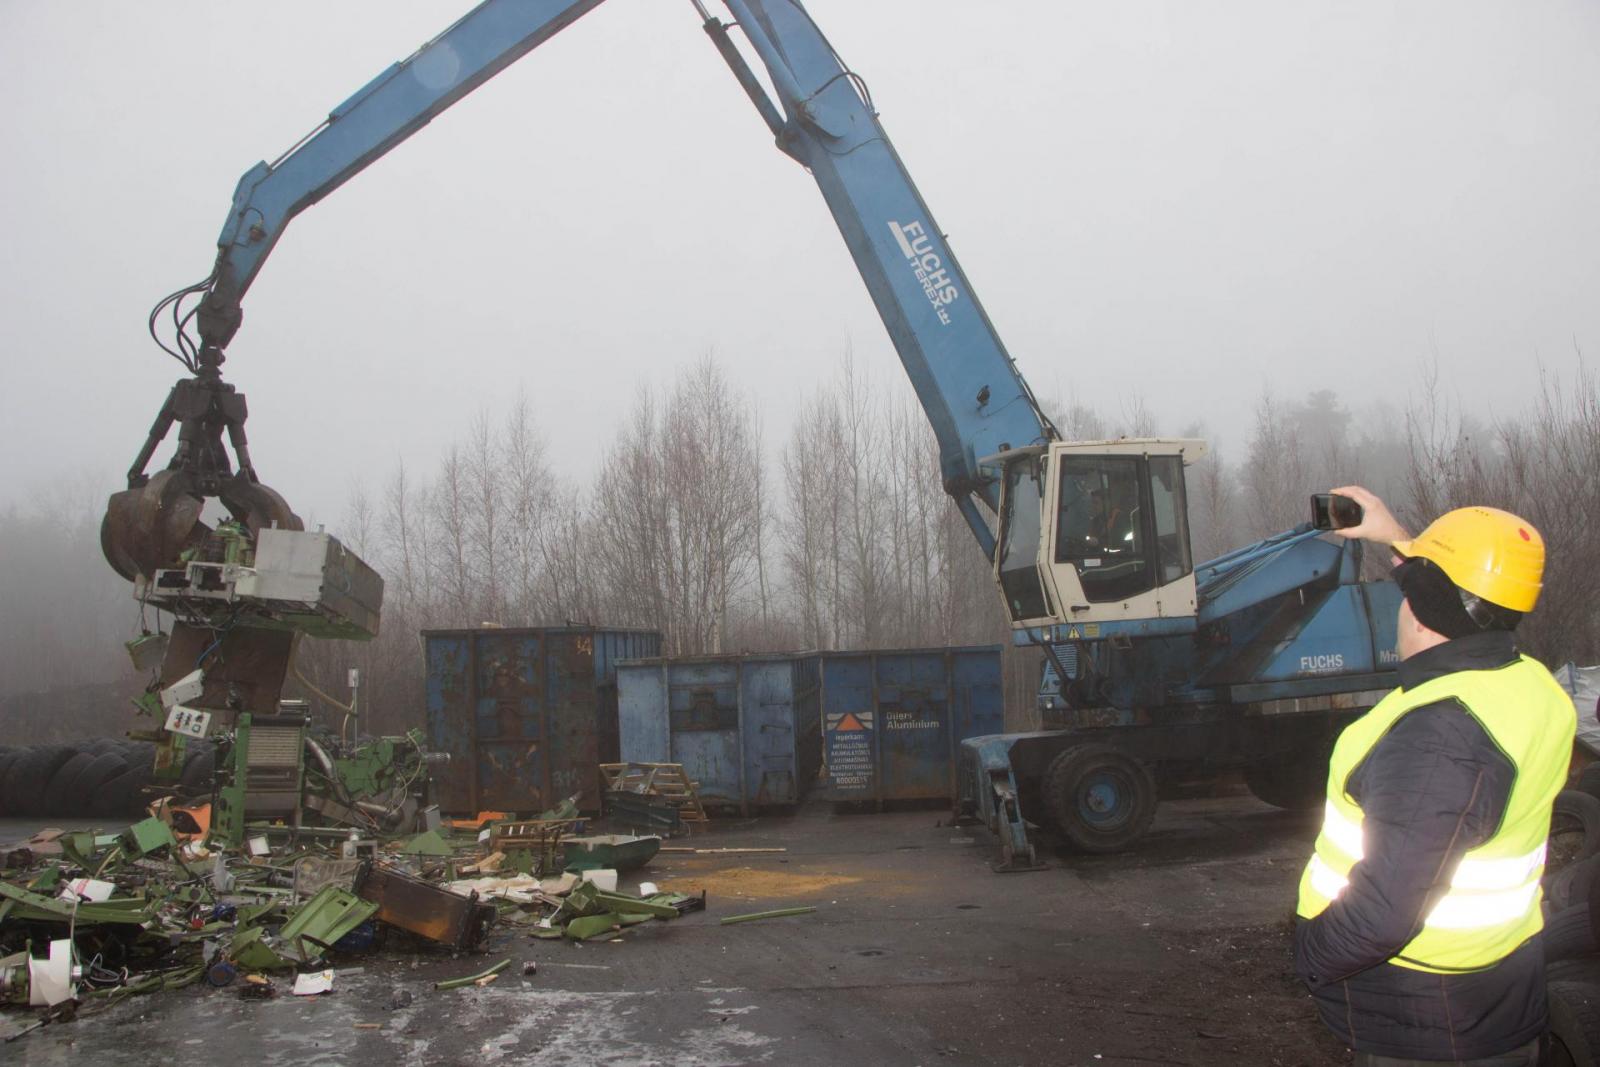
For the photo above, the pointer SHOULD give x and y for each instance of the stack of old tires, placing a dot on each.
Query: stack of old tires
(1572, 921)
(107, 776)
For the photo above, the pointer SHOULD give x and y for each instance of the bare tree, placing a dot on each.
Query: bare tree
(529, 491)
(1213, 498)
(1541, 467)
(449, 504)
(806, 527)
(1275, 475)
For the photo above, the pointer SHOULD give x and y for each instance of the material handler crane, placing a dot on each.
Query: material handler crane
(1151, 662)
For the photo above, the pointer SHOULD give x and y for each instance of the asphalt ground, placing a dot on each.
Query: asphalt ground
(1176, 953)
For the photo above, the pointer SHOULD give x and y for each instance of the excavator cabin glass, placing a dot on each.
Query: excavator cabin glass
(1120, 522)
(1020, 520)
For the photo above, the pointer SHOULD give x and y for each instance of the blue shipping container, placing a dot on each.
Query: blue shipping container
(527, 715)
(744, 727)
(892, 721)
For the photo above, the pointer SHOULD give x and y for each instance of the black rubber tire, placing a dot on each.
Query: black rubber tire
(1588, 781)
(1036, 809)
(58, 799)
(7, 761)
(86, 788)
(197, 772)
(1573, 883)
(1577, 969)
(121, 796)
(1574, 829)
(1102, 798)
(124, 793)
(1574, 1024)
(1300, 784)
(1569, 934)
(31, 776)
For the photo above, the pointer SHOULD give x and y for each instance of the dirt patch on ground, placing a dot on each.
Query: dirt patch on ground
(756, 883)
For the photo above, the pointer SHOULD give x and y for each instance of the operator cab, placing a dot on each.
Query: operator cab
(1096, 531)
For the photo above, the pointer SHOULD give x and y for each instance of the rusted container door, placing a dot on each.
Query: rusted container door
(914, 758)
(511, 721)
(891, 720)
(703, 721)
(573, 738)
(767, 710)
(730, 720)
(849, 727)
(448, 662)
(526, 715)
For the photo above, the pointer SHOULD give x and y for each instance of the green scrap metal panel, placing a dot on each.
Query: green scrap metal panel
(892, 721)
(526, 715)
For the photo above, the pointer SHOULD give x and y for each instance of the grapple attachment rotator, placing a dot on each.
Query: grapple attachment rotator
(150, 524)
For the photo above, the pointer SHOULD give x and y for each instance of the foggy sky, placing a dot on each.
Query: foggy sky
(1189, 202)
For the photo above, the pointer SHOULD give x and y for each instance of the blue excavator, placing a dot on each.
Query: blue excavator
(1154, 665)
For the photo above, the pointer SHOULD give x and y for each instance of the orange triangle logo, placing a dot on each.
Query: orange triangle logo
(849, 722)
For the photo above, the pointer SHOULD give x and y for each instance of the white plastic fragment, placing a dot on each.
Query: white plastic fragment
(312, 983)
(605, 879)
(87, 889)
(648, 889)
(188, 687)
(50, 981)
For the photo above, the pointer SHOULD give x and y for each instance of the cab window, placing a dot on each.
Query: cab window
(1018, 562)
(1101, 526)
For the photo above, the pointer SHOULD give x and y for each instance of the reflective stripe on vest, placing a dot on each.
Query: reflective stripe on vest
(1492, 904)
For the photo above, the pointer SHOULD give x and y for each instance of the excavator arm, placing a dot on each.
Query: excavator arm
(974, 397)
(381, 114)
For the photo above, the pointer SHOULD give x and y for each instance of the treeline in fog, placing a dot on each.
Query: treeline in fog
(701, 524)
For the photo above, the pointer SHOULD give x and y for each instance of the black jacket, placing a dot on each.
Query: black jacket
(1435, 786)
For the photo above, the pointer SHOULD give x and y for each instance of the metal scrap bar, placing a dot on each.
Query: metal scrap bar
(778, 914)
(482, 978)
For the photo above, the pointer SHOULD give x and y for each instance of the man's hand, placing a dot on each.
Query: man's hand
(1377, 521)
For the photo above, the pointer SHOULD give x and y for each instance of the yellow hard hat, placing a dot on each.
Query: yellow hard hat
(1490, 553)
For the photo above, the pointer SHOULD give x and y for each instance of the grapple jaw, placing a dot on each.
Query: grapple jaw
(149, 525)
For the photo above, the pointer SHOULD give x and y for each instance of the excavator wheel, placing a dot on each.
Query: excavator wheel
(1102, 799)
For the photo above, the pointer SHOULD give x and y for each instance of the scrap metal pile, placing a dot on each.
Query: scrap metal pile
(91, 917)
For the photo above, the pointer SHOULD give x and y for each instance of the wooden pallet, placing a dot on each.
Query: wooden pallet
(664, 780)
(542, 837)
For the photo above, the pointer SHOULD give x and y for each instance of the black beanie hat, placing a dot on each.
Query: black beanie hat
(1434, 598)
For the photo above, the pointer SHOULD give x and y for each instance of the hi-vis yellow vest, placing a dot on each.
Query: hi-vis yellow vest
(1492, 905)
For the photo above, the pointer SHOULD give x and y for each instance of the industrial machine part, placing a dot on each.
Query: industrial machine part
(319, 924)
(41, 981)
(1252, 659)
(265, 771)
(423, 908)
(277, 579)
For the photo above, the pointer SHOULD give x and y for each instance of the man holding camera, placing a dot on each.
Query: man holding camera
(1419, 932)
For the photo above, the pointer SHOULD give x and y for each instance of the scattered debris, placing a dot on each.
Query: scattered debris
(313, 983)
(480, 979)
(423, 908)
(237, 901)
(775, 914)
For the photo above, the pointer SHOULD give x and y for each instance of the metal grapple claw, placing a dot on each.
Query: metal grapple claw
(149, 525)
